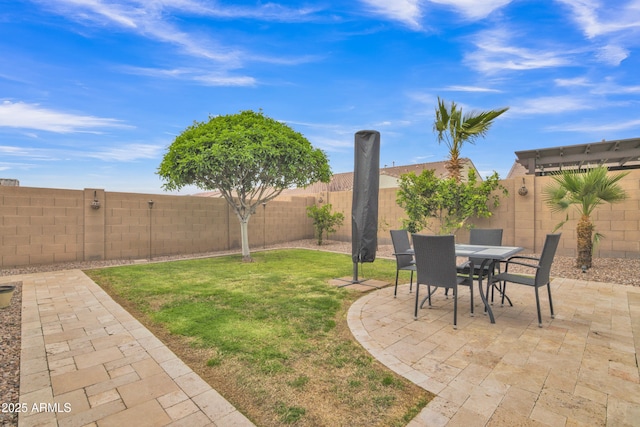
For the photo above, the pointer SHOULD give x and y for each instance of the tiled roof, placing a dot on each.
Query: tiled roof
(344, 181)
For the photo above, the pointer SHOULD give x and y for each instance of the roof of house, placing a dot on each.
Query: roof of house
(344, 181)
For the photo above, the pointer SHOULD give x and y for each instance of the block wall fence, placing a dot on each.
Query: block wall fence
(44, 226)
(526, 220)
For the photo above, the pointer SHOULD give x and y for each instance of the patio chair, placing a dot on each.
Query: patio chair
(404, 259)
(436, 266)
(483, 236)
(540, 267)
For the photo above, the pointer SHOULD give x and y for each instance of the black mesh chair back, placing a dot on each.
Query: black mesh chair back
(541, 277)
(484, 236)
(543, 273)
(436, 260)
(404, 256)
(436, 266)
(401, 244)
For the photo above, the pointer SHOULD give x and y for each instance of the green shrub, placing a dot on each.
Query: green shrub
(324, 222)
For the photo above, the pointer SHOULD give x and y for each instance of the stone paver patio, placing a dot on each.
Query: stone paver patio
(580, 369)
(86, 361)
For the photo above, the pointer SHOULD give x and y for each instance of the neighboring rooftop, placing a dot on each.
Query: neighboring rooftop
(389, 177)
(616, 155)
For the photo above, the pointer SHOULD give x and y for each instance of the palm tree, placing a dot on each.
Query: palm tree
(585, 190)
(455, 129)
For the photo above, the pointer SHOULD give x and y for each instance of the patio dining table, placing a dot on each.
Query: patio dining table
(490, 255)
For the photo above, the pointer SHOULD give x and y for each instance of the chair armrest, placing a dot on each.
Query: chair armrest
(532, 258)
(511, 261)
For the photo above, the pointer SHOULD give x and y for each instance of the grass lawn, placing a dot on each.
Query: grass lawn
(271, 336)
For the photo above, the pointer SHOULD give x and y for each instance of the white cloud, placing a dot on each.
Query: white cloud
(129, 152)
(13, 151)
(474, 9)
(152, 19)
(612, 54)
(405, 11)
(410, 12)
(552, 105)
(617, 25)
(329, 142)
(456, 88)
(495, 52)
(267, 11)
(597, 18)
(576, 81)
(33, 116)
(615, 89)
(121, 153)
(205, 77)
(591, 128)
(421, 159)
(606, 87)
(30, 153)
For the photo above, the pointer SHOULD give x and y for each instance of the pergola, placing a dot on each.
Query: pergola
(616, 155)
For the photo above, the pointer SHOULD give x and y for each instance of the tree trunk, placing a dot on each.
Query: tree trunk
(244, 235)
(454, 168)
(584, 234)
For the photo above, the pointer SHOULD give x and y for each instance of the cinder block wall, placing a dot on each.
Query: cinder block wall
(526, 220)
(619, 223)
(41, 226)
(44, 226)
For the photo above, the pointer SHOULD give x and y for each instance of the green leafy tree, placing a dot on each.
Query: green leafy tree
(585, 191)
(455, 128)
(249, 157)
(324, 222)
(444, 205)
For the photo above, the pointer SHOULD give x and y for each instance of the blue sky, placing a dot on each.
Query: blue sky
(92, 92)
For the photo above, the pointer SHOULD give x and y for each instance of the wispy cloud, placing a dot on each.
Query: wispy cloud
(615, 26)
(262, 11)
(129, 152)
(552, 105)
(572, 82)
(122, 153)
(592, 128)
(456, 88)
(421, 159)
(606, 87)
(33, 116)
(156, 20)
(406, 11)
(496, 52)
(597, 18)
(474, 9)
(612, 54)
(205, 77)
(411, 12)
